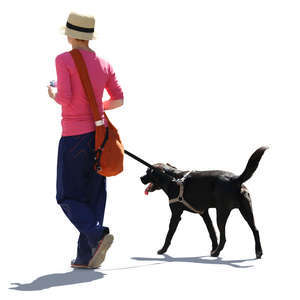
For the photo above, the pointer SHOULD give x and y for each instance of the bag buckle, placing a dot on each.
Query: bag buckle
(100, 150)
(97, 159)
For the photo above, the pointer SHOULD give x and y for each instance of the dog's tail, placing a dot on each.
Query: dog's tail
(252, 165)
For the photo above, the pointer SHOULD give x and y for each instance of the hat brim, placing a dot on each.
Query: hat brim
(77, 35)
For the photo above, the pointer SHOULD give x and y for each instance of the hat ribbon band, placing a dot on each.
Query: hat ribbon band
(82, 29)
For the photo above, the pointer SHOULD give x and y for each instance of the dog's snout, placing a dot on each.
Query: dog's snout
(144, 179)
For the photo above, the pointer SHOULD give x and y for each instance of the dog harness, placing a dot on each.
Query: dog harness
(180, 198)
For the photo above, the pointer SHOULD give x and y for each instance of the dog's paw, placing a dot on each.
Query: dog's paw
(259, 254)
(214, 248)
(162, 251)
(214, 253)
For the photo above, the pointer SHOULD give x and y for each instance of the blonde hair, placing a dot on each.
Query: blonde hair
(81, 40)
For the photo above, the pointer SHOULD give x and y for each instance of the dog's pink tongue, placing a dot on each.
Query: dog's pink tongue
(148, 188)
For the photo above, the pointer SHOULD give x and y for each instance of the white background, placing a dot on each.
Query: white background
(205, 83)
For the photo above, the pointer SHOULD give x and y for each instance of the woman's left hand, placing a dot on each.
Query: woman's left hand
(51, 93)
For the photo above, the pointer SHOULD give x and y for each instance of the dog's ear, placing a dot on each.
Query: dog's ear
(171, 166)
(159, 165)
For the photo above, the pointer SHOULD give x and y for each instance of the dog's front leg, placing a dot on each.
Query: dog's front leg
(175, 218)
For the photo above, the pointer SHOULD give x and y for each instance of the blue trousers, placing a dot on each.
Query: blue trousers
(80, 191)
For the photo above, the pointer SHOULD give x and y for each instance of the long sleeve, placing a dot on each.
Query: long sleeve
(64, 89)
(112, 86)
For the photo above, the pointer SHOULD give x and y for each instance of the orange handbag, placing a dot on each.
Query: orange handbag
(109, 151)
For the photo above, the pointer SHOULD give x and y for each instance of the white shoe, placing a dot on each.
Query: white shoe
(100, 252)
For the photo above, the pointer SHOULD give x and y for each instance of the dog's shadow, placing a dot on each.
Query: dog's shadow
(59, 279)
(80, 276)
(199, 260)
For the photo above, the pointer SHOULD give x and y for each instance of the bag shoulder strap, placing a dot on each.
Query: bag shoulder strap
(87, 85)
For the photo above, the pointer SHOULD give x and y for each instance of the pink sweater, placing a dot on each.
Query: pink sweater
(77, 116)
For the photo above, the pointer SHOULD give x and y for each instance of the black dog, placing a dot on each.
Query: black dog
(202, 190)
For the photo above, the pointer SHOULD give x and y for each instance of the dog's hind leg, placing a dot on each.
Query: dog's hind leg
(175, 219)
(211, 229)
(247, 213)
(222, 216)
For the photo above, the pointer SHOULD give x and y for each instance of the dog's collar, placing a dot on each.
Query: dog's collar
(180, 198)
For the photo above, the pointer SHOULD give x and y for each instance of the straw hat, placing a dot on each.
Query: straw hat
(79, 27)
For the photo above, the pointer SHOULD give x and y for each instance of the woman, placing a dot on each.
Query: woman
(81, 192)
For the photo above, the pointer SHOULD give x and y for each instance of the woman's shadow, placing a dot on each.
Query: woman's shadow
(80, 276)
(59, 279)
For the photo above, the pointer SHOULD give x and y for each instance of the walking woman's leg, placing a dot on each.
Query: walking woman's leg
(97, 197)
(74, 171)
(97, 200)
(83, 251)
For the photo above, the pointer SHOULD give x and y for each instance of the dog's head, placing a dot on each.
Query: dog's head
(154, 178)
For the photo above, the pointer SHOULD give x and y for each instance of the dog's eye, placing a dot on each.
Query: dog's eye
(149, 171)
(153, 171)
